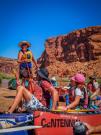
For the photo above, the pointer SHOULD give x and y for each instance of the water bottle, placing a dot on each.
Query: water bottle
(67, 99)
(79, 128)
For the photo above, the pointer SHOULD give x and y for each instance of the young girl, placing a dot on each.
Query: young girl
(78, 99)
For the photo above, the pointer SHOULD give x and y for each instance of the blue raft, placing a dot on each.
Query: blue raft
(15, 120)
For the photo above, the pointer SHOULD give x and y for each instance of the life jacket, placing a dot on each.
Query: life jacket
(25, 65)
(83, 101)
(27, 56)
(71, 94)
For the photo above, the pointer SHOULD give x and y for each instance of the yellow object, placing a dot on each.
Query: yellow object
(71, 110)
(27, 56)
(81, 110)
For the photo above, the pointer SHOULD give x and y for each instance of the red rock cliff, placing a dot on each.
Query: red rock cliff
(7, 65)
(77, 51)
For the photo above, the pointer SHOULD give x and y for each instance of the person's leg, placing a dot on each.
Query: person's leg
(22, 92)
(55, 99)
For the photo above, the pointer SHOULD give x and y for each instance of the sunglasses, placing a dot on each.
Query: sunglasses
(24, 45)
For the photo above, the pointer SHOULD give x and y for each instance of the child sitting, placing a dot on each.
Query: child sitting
(79, 98)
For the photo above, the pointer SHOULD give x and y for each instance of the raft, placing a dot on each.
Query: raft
(14, 120)
(61, 123)
(49, 122)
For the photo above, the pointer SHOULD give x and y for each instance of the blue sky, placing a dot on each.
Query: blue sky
(37, 20)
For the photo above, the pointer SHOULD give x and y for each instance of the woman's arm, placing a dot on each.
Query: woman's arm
(93, 129)
(95, 93)
(48, 87)
(74, 103)
(19, 57)
(17, 77)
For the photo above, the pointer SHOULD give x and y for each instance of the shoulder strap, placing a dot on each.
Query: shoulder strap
(21, 51)
(85, 92)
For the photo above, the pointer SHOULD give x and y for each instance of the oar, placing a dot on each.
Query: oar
(74, 111)
(82, 110)
(19, 129)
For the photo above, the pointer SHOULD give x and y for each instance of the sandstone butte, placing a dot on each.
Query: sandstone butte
(78, 51)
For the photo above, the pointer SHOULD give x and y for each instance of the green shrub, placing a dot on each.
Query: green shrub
(99, 81)
(5, 76)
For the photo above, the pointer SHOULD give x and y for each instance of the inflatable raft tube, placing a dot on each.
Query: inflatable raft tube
(10, 123)
(14, 120)
(61, 123)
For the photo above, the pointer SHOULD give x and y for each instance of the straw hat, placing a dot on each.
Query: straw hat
(24, 43)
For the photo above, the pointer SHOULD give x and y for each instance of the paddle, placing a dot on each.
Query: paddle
(19, 129)
(82, 110)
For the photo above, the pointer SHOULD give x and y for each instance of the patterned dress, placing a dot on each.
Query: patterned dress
(34, 104)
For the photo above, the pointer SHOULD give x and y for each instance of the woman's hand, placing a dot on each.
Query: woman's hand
(25, 60)
(90, 129)
(62, 108)
(22, 61)
(18, 83)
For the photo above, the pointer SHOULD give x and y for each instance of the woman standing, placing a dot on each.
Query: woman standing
(25, 59)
